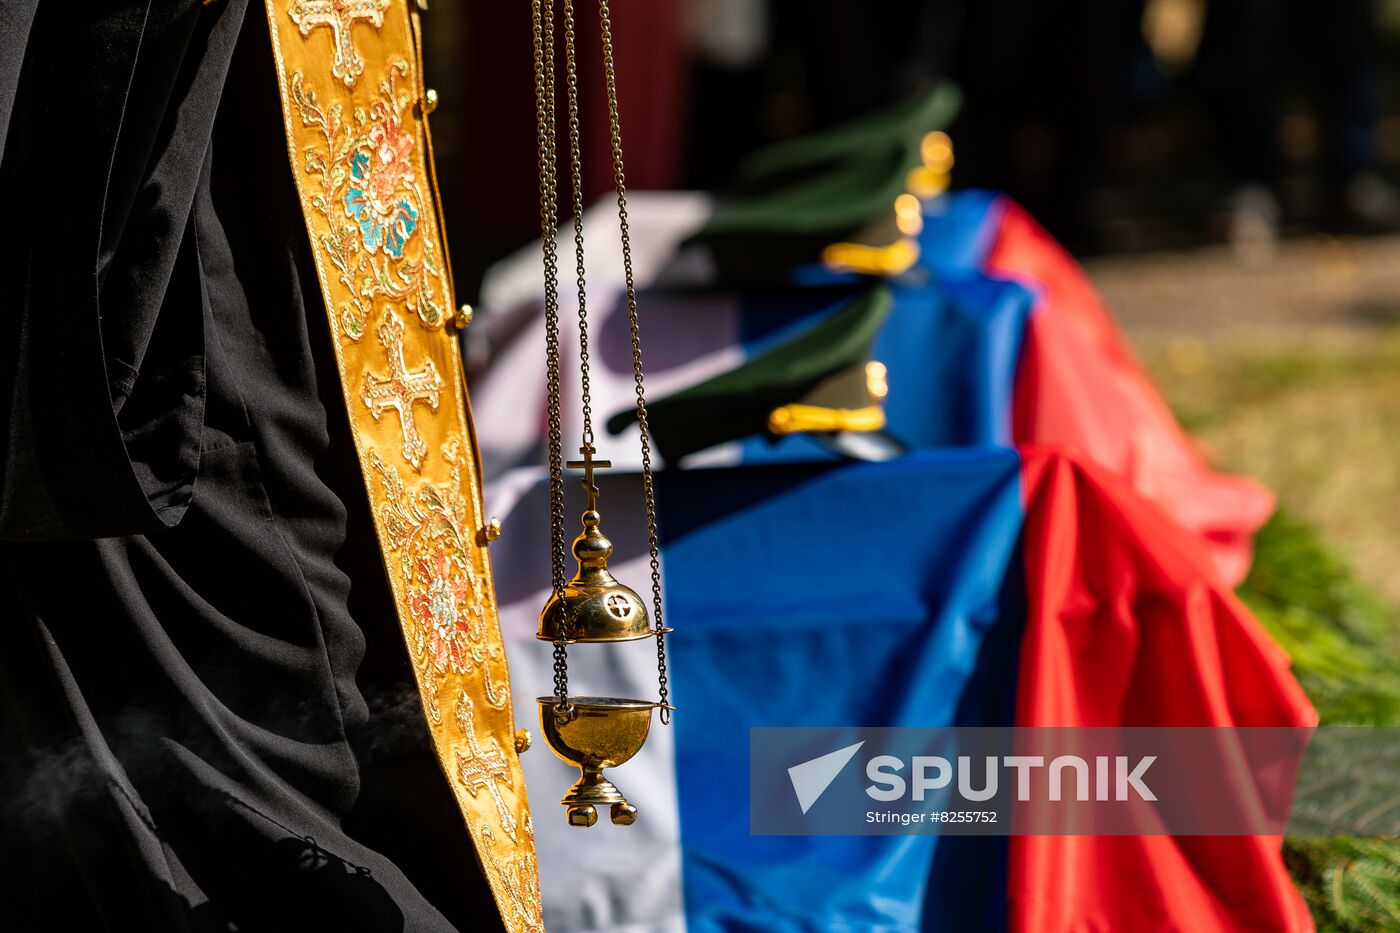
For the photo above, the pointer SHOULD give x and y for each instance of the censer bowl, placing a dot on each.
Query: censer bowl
(597, 733)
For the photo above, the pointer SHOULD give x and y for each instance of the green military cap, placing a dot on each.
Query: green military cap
(820, 379)
(795, 199)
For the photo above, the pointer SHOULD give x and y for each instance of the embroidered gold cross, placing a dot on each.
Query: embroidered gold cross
(482, 768)
(401, 389)
(340, 15)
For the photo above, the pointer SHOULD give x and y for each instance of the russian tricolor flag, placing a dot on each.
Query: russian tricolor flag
(1051, 552)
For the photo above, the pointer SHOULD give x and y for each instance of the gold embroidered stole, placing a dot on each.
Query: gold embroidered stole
(352, 103)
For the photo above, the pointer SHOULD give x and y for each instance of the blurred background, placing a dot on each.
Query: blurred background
(1226, 170)
(1123, 125)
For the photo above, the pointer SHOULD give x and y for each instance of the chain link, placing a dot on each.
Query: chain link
(576, 177)
(648, 487)
(542, 14)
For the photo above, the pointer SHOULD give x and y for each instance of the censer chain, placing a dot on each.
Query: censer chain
(543, 20)
(648, 487)
(543, 11)
(576, 188)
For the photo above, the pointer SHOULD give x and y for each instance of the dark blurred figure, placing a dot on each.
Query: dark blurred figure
(768, 70)
(1067, 106)
(1043, 85)
(1243, 66)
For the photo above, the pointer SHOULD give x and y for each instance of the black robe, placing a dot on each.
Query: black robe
(207, 718)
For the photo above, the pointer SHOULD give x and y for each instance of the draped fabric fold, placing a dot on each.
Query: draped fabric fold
(1078, 384)
(1128, 624)
(106, 129)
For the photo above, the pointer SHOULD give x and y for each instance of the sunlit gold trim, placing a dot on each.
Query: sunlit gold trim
(893, 259)
(936, 150)
(797, 418)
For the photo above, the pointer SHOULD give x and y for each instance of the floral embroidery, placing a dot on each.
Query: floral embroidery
(373, 198)
(378, 236)
(428, 533)
(441, 607)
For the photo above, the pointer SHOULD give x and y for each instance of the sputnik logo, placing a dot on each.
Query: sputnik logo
(811, 778)
(1115, 779)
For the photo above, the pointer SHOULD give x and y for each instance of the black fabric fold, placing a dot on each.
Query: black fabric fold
(208, 719)
(110, 115)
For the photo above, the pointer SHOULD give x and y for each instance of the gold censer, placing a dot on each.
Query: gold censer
(590, 733)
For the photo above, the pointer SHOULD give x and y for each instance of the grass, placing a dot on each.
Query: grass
(1291, 373)
(1343, 642)
(1342, 637)
(1293, 418)
(1318, 421)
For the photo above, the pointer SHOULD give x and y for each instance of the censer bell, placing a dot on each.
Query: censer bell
(588, 732)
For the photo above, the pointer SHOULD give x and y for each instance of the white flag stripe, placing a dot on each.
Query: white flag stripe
(659, 222)
(693, 339)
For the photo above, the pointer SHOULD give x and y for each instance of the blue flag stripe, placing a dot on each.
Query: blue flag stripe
(864, 593)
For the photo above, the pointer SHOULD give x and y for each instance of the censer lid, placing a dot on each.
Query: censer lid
(594, 606)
